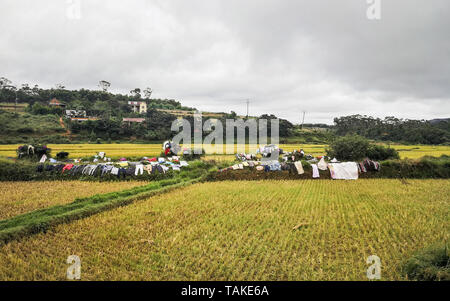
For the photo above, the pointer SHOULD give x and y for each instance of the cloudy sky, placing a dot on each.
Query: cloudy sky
(325, 57)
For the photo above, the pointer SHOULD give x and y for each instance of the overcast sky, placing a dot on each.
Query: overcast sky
(325, 57)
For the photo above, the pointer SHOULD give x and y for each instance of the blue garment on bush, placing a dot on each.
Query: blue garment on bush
(275, 166)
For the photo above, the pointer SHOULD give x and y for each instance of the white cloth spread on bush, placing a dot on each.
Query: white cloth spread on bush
(115, 171)
(315, 170)
(344, 171)
(139, 170)
(322, 164)
(299, 167)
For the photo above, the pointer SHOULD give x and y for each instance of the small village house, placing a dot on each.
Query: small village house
(81, 119)
(56, 103)
(75, 113)
(138, 106)
(129, 121)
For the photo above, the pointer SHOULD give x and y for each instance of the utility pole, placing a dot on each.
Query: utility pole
(248, 102)
(15, 106)
(303, 120)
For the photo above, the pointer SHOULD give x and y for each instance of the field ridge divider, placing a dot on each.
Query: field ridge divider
(42, 220)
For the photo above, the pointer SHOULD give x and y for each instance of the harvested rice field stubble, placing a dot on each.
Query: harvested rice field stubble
(244, 230)
(21, 197)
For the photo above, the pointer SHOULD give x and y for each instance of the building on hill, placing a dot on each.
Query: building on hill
(133, 120)
(76, 113)
(138, 106)
(81, 119)
(184, 113)
(56, 103)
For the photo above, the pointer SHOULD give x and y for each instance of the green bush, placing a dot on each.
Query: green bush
(355, 148)
(62, 155)
(19, 171)
(33, 152)
(39, 109)
(193, 155)
(431, 264)
(426, 168)
(25, 130)
(349, 148)
(380, 152)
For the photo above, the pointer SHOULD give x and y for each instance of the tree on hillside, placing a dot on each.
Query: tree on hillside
(148, 92)
(101, 108)
(4, 82)
(136, 93)
(104, 85)
(77, 105)
(285, 127)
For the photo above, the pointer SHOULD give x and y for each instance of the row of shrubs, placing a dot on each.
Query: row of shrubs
(426, 168)
(24, 170)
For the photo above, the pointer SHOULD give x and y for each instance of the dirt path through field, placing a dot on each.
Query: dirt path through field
(61, 122)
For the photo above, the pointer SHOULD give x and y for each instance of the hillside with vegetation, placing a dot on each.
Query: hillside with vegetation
(26, 127)
(38, 115)
(105, 115)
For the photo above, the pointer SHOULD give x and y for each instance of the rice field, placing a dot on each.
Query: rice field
(21, 197)
(245, 230)
(418, 151)
(136, 150)
(140, 150)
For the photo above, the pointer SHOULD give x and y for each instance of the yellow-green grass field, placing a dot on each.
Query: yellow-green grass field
(118, 150)
(21, 197)
(244, 230)
(418, 151)
(135, 150)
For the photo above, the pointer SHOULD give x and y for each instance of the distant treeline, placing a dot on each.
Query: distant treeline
(394, 129)
(156, 128)
(317, 125)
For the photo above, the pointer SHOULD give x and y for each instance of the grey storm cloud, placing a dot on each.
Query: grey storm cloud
(324, 57)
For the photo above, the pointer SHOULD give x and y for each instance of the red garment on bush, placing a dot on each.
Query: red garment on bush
(67, 167)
